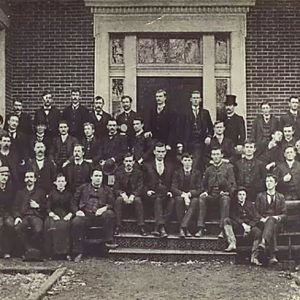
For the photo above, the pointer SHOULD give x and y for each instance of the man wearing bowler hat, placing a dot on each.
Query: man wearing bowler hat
(234, 124)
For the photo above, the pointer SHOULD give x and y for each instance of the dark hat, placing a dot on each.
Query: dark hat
(240, 188)
(109, 167)
(230, 100)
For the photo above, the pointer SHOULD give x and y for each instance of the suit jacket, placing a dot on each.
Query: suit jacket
(127, 119)
(105, 196)
(261, 205)
(160, 184)
(244, 214)
(91, 148)
(129, 184)
(25, 124)
(75, 119)
(235, 129)
(222, 174)
(100, 126)
(46, 175)
(204, 124)
(22, 203)
(20, 145)
(289, 119)
(142, 147)
(51, 120)
(227, 147)
(61, 203)
(12, 161)
(7, 200)
(195, 186)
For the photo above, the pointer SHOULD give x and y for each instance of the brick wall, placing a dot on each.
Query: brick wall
(273, 54)
(51, 46)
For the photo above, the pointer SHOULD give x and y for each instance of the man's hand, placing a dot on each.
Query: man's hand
(287, 177)
(18, 221)
(130, 199)
(80, 213)
(100, 211)
(270, 165)
(207, 140)
(204, 194)
(247, 227)
(56, 218)
(148, 134)
(264, 220)
(150, 193)
(68, 217)
(34, 204)
(140, 161)
(222, 193)
(272, 144)
(168, 147)
(124, 196)
(179, 148)
(169, 194)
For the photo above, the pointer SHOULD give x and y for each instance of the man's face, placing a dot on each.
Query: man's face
(88, 130)
(60, 183)
(219, 128)
(39, 148)
(97, 178)
(270, 183)
(128, 162)
(216, 156)
(196, 99)
(41, 128)
(277, 136)
(265, 109)
(112, 127)
(160, 98)
(288, 132)
(137, 125)
(98, 104)
(229, 109)
(13, 122)
(75, 97)
(63, 129)
(241, 196)
(297, 146)
(249, 149)
(78, 152)
(126, 104)
(18, 107)
(290, 153)
(47, 100)
(294, 103)
(29, 178)
(4, 177)
(160, 152)
(187, 162)
(5, 142)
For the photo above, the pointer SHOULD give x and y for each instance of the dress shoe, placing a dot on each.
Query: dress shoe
(78, 258)
(255, 261)
(221, 235)
(6, 256)
(142, 231)
(188, 234)
(199, 233)
(111, 245)
(163, 233)
(182, 233)
(68, 257)
(273, 260)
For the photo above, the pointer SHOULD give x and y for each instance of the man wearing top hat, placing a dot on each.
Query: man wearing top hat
(234, 124)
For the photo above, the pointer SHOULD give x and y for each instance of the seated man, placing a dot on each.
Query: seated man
(128, 189)
(288, 139)
(158, 179)
(6, 219)
(271, 211)
(29, 212)
(186, 188)
(218, 184)
(94, 202)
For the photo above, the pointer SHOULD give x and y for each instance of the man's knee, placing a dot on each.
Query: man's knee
(137, 201)
(108, 214)
(9, 222)
(119, 200)
(256, 233)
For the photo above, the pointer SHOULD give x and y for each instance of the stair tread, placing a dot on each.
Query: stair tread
(153, 221)
(170, 236)
(169, 251)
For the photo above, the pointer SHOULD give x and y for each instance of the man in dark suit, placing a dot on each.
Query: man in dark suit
(94, 203)
(197, 130)
(234, 124)
(48, 114)
(262, 128)
(186, 188)
(292, 117)
(158, 180)
(76, 115)
(288, 139)
(25, 122)
(99, 117)
(29, 213)
(128, 190)
(90, 143)
(63, 145)
(125, 119)
(218, 185)
(271, 212)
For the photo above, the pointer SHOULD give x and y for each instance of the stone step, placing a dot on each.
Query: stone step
(172, 242)
(166, 255)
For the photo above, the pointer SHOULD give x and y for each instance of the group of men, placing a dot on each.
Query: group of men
(62, 173)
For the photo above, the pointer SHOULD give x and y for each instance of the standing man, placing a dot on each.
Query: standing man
(234, 124)
(99, 117)
(76, 115)
(292, 116)
(197, 130)
(90, 143)
(48, 114)
(158, 180)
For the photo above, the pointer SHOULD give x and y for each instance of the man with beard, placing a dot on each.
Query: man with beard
(44, 168)
(29, 213)
(25, 122)
(99, 118)
(78, 171)
(94, 203)
(6, 219)
(48, 114)
(76, 115)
